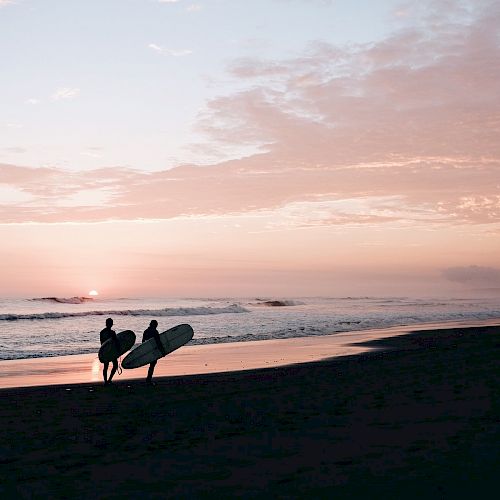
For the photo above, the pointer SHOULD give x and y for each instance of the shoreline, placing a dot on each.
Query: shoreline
(417, 417)
(212, 358)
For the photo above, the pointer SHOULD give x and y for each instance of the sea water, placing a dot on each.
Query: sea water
(56, 326)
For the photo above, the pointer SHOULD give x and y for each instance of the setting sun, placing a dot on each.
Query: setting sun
(93, 293)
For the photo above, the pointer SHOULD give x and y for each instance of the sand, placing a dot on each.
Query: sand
(418, 418)
(213, 358)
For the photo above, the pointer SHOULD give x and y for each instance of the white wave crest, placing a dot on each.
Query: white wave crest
(62, 300)
(176, 311)
(278, 302)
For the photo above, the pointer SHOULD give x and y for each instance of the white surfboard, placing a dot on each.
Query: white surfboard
(148, 351)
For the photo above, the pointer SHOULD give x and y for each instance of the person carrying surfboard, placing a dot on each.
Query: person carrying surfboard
(149, 333)
(106, 334)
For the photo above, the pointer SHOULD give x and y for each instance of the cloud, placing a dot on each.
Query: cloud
(400, 131)
(91, 154)
(313, 194)
(155, 47)
(4, 3)
(195, 7)
(170, 52)
(15, 150)
(180, 52)
(65, 93)
(325, 3)
(473, 275)
(32, 100)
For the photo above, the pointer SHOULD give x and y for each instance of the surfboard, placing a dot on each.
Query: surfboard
(148, 351)
(108, 351)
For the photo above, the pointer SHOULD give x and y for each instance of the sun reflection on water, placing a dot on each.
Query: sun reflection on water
(96, 365)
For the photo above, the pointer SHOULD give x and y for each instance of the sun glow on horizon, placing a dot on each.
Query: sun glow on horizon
(319, 158)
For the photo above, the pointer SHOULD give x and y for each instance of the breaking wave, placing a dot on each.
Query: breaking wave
(62, 300)
(175, 311)
(277, 303)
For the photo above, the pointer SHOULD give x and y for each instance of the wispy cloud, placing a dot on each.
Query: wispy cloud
(170, 52)
(155, 47)
(4, 3)
(427, 192)
(92, 152)
(401, 131)
(65, 93)
(15, 150)
(32, 100)
(195, 7)
(309, 2)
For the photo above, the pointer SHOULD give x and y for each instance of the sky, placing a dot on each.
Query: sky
(235, 148)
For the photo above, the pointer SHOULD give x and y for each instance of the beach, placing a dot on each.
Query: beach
(416, 416)
(278, 221)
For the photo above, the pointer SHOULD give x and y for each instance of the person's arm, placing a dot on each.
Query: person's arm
(158, 342)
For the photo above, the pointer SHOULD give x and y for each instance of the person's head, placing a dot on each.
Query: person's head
(109, 322)
(153, 323)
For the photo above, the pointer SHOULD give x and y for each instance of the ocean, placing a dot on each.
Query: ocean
(57, 326)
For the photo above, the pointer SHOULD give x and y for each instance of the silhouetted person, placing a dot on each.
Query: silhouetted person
(149, 333)
(106, 334)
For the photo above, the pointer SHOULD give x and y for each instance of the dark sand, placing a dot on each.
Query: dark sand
(419, 420)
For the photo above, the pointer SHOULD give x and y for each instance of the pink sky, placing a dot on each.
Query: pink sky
(376, 171)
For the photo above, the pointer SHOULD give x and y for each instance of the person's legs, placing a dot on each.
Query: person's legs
(113, 371)
(105, 372)
(151, 370)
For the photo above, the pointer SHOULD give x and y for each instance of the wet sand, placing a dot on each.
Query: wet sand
(417, 417)
(213, 358)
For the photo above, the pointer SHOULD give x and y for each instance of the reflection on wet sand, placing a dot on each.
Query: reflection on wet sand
(213, 358)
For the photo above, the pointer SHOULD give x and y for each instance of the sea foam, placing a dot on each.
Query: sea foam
(175, 311)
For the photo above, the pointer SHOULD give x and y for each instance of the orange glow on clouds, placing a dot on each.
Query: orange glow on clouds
(373, 177)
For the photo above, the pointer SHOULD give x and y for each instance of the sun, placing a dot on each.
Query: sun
(93, 293)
